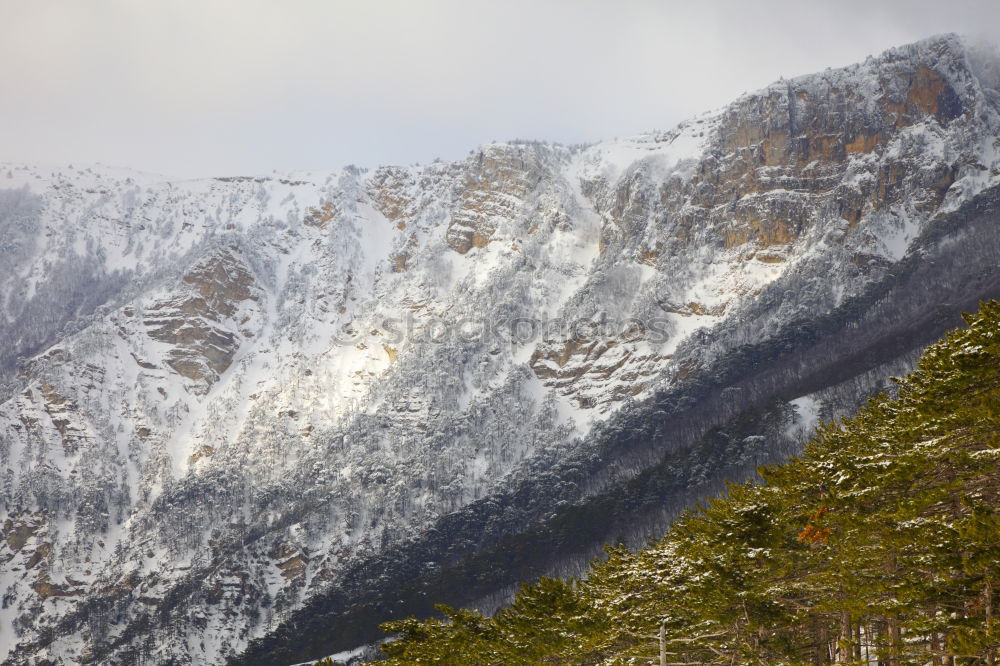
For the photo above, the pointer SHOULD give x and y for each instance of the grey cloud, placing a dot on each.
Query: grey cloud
(199, 87)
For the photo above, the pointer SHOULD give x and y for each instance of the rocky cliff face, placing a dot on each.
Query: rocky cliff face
(241, 407)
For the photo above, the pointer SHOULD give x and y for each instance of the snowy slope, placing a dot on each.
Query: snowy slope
(232, 390)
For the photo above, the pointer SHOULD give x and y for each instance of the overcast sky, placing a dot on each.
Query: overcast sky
(203, 87)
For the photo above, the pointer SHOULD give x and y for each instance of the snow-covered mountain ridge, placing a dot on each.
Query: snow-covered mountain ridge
(236, 398)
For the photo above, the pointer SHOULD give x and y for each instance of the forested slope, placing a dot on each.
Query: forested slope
(880, 543)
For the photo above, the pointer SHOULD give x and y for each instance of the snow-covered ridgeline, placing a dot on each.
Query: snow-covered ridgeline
(234, 388)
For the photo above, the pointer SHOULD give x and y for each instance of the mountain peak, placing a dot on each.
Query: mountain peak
(230, 401)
